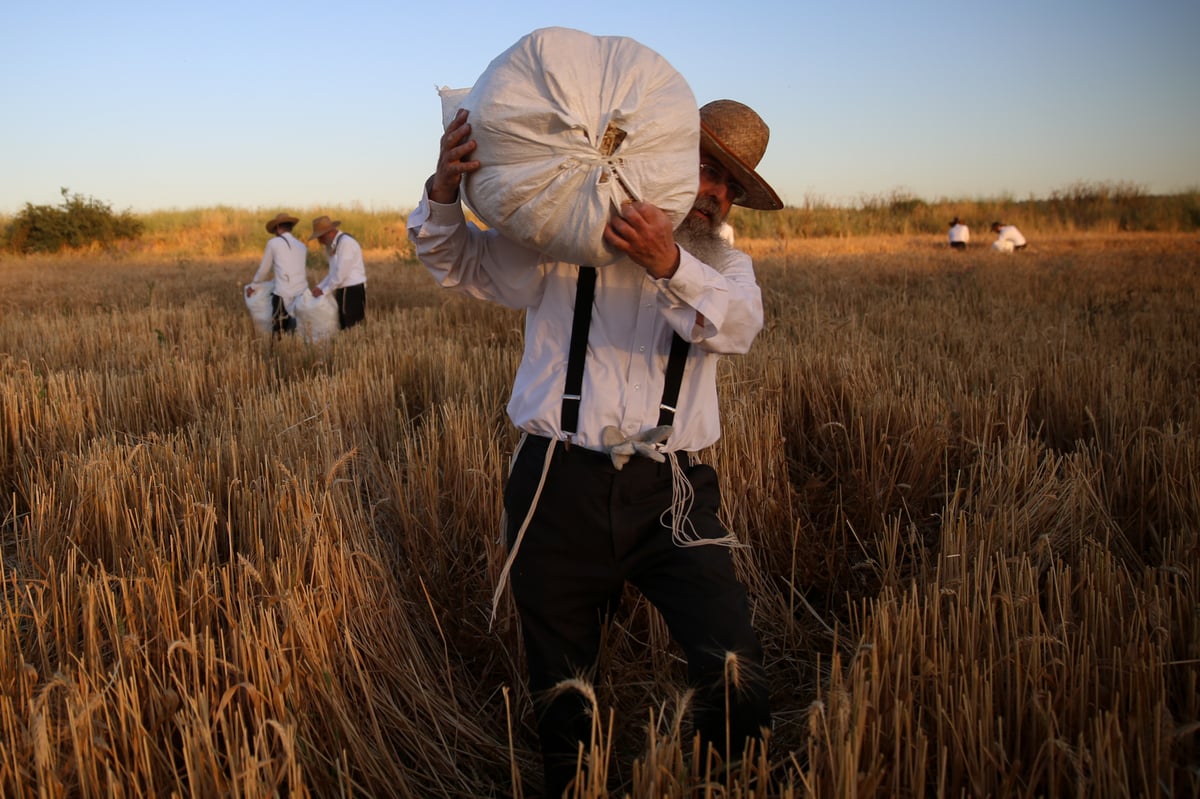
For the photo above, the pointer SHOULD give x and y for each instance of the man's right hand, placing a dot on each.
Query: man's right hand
(456, 146)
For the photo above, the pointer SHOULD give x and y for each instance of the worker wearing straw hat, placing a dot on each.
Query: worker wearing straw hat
(284, 257)
(347, 276)
(615, 396)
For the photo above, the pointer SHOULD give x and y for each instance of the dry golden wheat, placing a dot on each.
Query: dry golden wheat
(969, 483)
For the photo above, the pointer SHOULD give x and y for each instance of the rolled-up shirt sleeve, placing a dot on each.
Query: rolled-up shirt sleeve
(727, 299)
(479, 263)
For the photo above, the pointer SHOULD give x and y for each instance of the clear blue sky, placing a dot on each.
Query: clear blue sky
(159, 104)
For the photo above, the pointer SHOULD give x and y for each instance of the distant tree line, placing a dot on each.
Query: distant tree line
(83, 222)
(1083, 206)
(78, 223)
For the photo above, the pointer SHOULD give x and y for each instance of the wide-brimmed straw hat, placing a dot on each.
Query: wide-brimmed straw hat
(322, 225)
(280, 219)
(737, 137)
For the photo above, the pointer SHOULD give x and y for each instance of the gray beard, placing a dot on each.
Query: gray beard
(702, 240)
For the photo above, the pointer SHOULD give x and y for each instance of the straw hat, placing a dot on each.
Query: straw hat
(322, 225)
(280, 219)
(737, 137)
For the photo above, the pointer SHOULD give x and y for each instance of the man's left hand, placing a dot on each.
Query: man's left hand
(644, 233)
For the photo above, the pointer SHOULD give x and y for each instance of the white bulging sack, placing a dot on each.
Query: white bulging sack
(259, 305)
(568, 126)
(316, 317)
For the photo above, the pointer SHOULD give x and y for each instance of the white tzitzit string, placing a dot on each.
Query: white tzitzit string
(620, 448)
(508, 562)
(650, 444)
(683, 533)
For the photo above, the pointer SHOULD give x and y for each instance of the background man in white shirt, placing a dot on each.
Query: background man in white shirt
(960, 234)
(592, 499)
(347, 276)
(1008, 238)
(284, 257)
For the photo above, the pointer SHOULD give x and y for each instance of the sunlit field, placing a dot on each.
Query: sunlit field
(969, 484)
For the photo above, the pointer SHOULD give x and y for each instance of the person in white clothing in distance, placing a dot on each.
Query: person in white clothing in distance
(1008, 238)
(606, 487)
(347, 276)
(960, 234)
(284, 257)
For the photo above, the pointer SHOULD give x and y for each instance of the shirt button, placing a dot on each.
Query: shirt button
(637, 386)
(642, 348)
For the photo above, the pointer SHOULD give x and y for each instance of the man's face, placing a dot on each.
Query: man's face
(717, 193)
(700, 231)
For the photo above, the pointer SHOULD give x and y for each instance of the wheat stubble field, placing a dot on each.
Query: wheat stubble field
(969, 483)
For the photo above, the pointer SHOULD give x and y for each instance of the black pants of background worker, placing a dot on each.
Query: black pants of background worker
(281, 321)
(352, 305)
(594, 529)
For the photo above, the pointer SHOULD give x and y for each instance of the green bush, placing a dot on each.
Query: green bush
(77, 223)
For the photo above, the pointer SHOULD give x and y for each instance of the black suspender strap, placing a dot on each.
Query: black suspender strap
(675, 364)
(585, 290)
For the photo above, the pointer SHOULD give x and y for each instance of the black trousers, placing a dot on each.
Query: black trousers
(281, 320)
(352, 304)
(594, 529)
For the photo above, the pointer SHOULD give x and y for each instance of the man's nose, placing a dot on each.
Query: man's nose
(710, 188)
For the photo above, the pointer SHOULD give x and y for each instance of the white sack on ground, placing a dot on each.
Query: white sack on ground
(568, 125)
(259, 305)
(316, 317)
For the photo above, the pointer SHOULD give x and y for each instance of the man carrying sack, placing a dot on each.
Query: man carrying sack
(616, 394)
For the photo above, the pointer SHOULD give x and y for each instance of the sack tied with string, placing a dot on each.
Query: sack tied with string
(568, 126)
